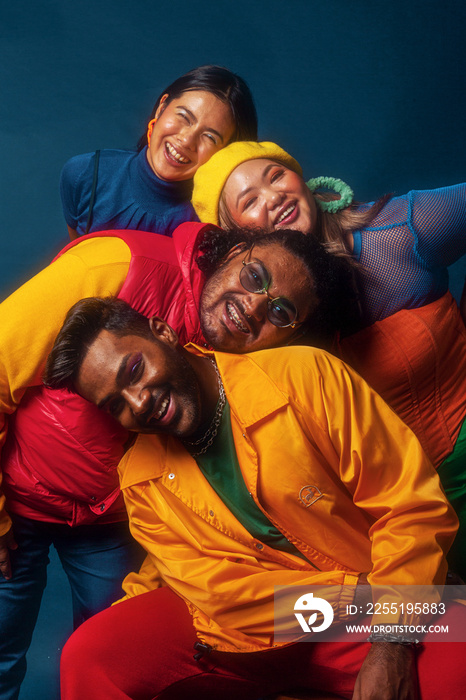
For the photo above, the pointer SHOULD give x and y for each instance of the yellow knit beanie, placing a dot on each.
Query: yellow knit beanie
(210, 178)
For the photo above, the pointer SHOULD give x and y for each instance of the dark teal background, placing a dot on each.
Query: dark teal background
(369, 91)
(372, 92)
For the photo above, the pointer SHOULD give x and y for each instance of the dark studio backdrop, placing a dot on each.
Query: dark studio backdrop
(369, 91)
(372, 92)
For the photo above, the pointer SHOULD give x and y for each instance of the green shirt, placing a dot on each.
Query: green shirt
(220, 466)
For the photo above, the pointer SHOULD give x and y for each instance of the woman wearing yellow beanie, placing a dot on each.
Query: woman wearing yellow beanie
(245, 186)
(210, 181)
(401, 247)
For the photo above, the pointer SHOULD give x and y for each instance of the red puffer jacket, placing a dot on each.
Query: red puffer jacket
(61, 453)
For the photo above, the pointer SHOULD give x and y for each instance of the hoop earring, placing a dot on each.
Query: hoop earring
(332, 183)
(150, 127)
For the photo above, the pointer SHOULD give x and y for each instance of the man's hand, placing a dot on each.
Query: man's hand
(7, 542)
(388, 673)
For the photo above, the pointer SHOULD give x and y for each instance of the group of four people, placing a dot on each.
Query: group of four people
(216, 501)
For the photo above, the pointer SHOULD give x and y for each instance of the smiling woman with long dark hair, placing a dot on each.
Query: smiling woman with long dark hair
(149, 189)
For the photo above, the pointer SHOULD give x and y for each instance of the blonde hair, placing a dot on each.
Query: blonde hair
(333, 229)
(225, 219)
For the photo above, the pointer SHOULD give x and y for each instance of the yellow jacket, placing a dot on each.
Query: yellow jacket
(33, 315)
(329, 463)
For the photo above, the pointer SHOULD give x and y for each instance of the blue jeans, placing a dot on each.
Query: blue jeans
(95, 559)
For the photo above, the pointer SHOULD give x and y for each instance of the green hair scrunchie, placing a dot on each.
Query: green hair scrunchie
(332, 183)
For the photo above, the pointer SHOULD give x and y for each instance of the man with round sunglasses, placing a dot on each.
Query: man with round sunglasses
(269, 290)
(255, 278)
(218, 493)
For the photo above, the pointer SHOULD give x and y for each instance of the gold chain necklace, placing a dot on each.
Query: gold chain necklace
(211, 432)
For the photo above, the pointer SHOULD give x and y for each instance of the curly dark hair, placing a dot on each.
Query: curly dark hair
(333, 276)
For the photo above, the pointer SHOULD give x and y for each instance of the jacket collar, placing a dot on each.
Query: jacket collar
(242, 377)
(186, 239)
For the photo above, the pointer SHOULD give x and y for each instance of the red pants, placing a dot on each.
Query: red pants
(143, 649)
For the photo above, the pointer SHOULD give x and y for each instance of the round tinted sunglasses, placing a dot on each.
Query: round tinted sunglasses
(255, 278)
